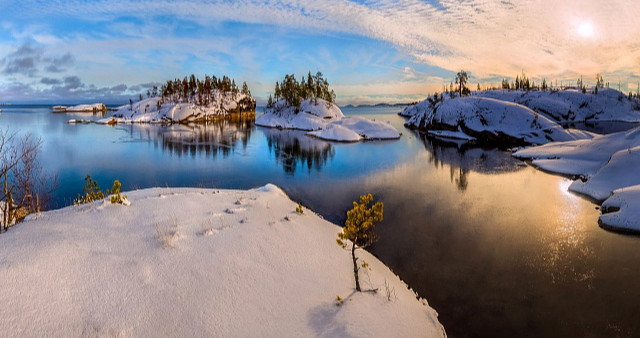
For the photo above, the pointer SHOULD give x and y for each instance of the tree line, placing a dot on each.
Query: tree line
(314, 87)
(202, 92)
(459, 88)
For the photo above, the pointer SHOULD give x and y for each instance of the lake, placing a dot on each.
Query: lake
(497, 247)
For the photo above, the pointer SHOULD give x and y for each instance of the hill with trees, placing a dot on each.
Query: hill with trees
(188, 100)
(309, 105)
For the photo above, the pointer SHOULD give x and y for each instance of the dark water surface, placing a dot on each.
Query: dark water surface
(498, 248)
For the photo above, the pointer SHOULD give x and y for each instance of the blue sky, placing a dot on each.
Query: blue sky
(371, 51)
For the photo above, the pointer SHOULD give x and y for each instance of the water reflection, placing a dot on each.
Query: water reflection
(208, 140)
(292, 148)
(567, 256)
(462, 158)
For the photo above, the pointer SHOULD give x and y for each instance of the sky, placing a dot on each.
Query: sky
(69, 51)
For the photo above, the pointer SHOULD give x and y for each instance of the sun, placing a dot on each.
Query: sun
(586, 30)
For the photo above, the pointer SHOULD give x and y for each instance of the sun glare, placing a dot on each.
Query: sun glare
(586, 30)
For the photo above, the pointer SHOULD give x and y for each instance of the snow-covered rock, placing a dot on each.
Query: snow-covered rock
(196, 262)
(326, 121)
(604, 164)
(82, 108)
(582, 157)
(572, 105)
(621, 211)
(336, 132)
(150, 111)
(488, 121)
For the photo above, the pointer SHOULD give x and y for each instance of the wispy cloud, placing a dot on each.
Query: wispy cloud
(489, 38)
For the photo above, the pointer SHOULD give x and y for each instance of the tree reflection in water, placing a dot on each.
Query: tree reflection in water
(463, 157)
(202, 139)
(293, 147)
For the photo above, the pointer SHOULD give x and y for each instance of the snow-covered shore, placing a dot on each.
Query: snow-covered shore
(487, 121)
(196, 262)
(81, 108)
(326, 121)
(606, 166)
(151, 110)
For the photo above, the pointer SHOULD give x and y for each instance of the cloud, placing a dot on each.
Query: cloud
(58, 64)
(72, 82)
(119, 88)
(23, 61)
(489, 38)
(29, 60)
(50, 81)
(66, 90)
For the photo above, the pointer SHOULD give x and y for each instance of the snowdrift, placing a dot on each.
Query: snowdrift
(196, 262)
(326, 121)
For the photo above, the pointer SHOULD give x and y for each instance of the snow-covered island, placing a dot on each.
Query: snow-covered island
(606, 170)
(81, 108)
(309, 105)
(187, 101)
(519, 117)
(197, 262)
(487, 121)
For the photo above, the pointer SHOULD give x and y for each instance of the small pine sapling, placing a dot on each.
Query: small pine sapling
(91, 190)
(116, 197)
(299, 209)
(360, 229)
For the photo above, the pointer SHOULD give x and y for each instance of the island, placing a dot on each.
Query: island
(309, 105)
(198, 262)
(519, 114)
(189, 100)
(487, 121)
(81, 108)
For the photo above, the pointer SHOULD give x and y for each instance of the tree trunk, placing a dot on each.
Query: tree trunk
(355, 266)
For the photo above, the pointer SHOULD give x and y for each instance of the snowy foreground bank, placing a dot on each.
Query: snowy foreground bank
(607, 169)
(326, 121)
(196, 262)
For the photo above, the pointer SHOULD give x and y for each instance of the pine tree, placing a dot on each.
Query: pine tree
(245, 89)
(360, 229)
(461, 81)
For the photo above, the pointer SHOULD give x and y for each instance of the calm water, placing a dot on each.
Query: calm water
(497, 247)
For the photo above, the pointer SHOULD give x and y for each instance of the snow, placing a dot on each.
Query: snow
(488, 121)
(196, 262)
(336, 132)
(449, 134)
(148, 110)
(95, 107)
(571, 105)
(622, 210)
(582, 157)
(605, 164)
(326, 121)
